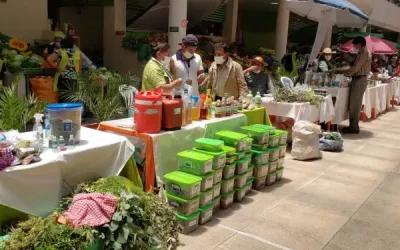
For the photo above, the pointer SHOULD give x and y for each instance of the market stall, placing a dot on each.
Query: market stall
(37, 188)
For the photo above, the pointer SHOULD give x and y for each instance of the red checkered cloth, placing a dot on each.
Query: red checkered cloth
(94, 209)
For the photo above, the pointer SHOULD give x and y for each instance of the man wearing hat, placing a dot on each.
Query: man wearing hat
(257, 80)
(323, 64)
(188, 64)
(54, 46)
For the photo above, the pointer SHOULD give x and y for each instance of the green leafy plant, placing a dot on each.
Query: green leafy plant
(297, 94)
(99, 94)
(14, 112)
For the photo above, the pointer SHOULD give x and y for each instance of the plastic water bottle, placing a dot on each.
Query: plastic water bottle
(71, 142)
(257, 100)
(54, 144)
(61, 142)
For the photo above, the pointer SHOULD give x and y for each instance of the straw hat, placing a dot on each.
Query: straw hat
(259, 59)
(328, 51)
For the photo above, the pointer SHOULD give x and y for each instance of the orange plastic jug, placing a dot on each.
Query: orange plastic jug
(148, 111)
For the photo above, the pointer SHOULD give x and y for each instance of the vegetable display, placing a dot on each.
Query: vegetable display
(299, 93)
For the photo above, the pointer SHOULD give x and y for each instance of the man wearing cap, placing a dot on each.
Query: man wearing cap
(54, 46)
(188, 64)
(324, 65)
(257, 80)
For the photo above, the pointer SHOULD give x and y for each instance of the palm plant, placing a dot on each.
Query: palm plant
(100, 97)
(14, 112)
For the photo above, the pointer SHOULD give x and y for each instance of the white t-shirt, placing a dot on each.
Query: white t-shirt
(189, 73)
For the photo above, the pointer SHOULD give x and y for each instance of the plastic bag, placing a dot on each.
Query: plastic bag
(305, 141)
(326, 143)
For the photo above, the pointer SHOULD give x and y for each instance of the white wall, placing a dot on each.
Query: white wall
(114, 55)
(24, 19)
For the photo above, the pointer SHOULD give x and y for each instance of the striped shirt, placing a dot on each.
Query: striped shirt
(362, 65)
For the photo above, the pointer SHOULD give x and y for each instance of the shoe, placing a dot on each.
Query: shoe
(350, 130)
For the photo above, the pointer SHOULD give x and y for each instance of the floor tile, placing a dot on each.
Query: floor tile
(316, 223)
(240, 242)
(361, 235)
(380, 213)
(233, 219)
(370, 162)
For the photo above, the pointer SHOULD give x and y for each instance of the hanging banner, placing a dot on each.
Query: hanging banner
(323, 25)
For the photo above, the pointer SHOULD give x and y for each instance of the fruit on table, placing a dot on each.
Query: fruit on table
(15, 43)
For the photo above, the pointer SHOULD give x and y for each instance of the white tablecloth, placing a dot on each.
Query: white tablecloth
(377, 97)
(341, 105)
(37, 188)
(301, 111)
(168, 143)
(395, 87)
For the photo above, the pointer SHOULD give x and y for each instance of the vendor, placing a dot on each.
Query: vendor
(55, 45)
(374, 65)
(397, 72)
(155, 73)
(323, 63)
(392, 66)
(257, 80)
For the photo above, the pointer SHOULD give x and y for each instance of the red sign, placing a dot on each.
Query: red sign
(184, 23)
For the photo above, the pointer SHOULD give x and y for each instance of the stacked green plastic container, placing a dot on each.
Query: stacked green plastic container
(283, 135)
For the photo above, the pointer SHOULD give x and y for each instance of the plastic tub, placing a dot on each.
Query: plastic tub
(282, 150)
(219, 158)
(209, 144)
(217, 189)
(259, 135)
(249, 184)
(240, 193)
(259, 147)
(283, 135)
(217, 203)
(261, 170)
(218, 175)
(227, 199)
(242, 165)
(260, 157)
(182, 184)
(207, 181)
(273, 165)
(274, 153)
(259, 183)
(240, 180)
(227, 185)
(270, 129)
(228, 171)
(281, 161)
(229, 151)
(273, 140)
(194, 162)
(230, 159)
(206, 197)
(249, 156)
(270, 179)
(279, 173)
(206, 213)
(249, 142)
(240, 155)
(65, 120)
(183, 206)
(232, 139)
(250, 171)
(189, 223)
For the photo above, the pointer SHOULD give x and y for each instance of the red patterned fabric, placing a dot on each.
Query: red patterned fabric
(92, 209)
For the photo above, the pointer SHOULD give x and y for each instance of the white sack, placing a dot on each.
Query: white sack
(305, 141)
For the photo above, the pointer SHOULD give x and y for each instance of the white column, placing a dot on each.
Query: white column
(231, 18)
(363, 29)
(282, 27)
(177, 16)
(120, 16)
(328, 38)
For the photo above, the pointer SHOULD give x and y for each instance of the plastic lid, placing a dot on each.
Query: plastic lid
(182, 178)
(250, 180)
(249, 129)
(208, 174)
(195, 155)
(210, 142)
(171, 196)
(273, 172)
(233, 165)
(231, 135)
(218, 183)
(240, 175)
(262, 165)
(244, 159)
(280, 169)
(250, 167)
(207, 207)
(217, 198)
(207, 191)
(195, 98)
(265, 127)
(230, 179)
(60, 106)
(228, 194)
(275, 148)
(228, 149)
(213, 153)
(189, 217)
(281, 132)
(249, 139)
(261, 151)
(240, 189)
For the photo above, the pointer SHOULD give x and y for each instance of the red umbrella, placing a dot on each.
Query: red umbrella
(374, 44)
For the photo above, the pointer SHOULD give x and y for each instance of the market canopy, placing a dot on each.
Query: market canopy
(344, 13)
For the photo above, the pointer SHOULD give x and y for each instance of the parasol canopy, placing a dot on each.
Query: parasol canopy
(374, 44)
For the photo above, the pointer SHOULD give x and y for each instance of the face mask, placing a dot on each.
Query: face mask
(219, 59)
(166, 61)
(355, 50)
(187, 55)
(328, 58)
(58, 45)
(258, 71)
(376, 60)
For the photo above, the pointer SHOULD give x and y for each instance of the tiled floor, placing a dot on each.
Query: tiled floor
(348, 200)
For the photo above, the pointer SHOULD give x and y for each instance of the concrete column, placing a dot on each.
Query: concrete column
(282, 28)
(120, 16)
(363, 29)
(176, 23)
(328, 38)
(231, 18)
